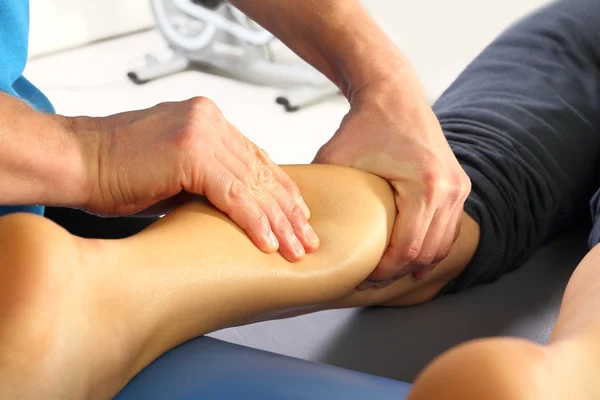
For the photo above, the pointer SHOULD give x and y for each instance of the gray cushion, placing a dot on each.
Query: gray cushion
(398, 343)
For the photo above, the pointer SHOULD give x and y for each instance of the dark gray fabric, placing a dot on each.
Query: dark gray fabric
(524, 121)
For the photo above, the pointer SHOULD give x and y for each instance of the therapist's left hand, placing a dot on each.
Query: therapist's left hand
(392, 132)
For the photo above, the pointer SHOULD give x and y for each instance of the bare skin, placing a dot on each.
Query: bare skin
(516, 369)
(79, 317)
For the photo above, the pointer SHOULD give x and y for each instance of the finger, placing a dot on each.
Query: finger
(409, 231)
(288, 184)
(450, 236)
(430, 249)
(446, 242)
(286, 229)
(254, 177)
(231, 196)
(294, 214)
(422, 273)
(247, 152)
(272, 178)
(294, 207)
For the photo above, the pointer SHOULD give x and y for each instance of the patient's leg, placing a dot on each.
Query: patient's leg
(81, 317)
(515, 369)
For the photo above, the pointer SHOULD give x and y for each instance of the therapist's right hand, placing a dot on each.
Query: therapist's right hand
(140, 158)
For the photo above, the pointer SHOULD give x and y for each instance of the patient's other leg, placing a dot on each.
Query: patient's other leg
(553, 56)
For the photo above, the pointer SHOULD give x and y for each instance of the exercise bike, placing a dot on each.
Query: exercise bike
(215, 35)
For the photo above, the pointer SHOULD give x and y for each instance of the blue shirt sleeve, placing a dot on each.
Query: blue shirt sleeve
(14, 37)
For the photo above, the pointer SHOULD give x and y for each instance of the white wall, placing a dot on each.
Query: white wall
(439, 36)
(61, 24)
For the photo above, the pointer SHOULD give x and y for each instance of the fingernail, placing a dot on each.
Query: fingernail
(365, 285)
(310, 235)
(273, 241)
(298, 248)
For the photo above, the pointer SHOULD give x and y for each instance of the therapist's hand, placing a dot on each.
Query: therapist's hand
(392, 132)
(141, 158)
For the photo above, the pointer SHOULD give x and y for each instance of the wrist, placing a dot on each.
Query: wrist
(360, 51)
(80, 151)
(375, 72)
(401, 90)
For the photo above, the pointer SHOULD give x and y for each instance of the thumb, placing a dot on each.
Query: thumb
(330, 153)
(319, 157)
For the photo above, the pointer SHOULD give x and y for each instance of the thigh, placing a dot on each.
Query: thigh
(524, 121)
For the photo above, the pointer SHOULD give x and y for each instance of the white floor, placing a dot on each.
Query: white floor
(396, 343)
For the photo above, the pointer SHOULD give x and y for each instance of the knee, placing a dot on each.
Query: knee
(493, 369)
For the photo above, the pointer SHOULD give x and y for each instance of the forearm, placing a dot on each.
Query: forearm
(41, 159)
(338, 37)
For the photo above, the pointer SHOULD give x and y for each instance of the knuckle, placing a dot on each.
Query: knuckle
(411, 252)
(201, 111)
(279, 220)
(295, 193)
(455, 193)
(406, 253)
(262, 222)
(236, 192)
(265, 174)
(261, 153)
(293, 213)
(254, 187)
(440, 187)
(203, 104)
(442, 254)
(252, 179)
(431, 176)
(425, 258)
(434, 186)
(290, 186)
(464, 183)
(459, 188)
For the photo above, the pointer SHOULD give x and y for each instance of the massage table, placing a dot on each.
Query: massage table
(361, 353)
(207, 368)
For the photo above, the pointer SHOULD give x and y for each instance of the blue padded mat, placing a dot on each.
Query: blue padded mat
(207, 368)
